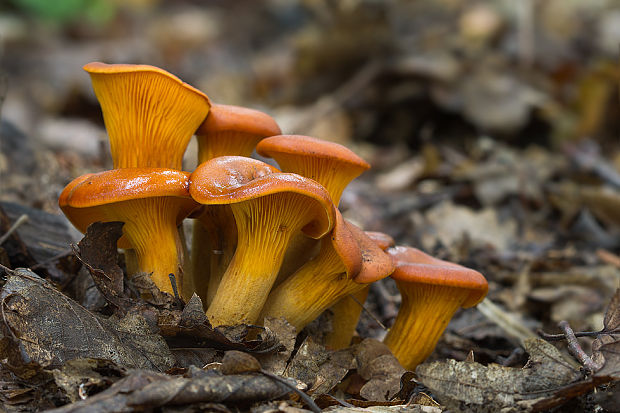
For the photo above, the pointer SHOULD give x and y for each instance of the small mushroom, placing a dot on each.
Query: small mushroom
(330, 164)
(334, 273)
(150, 201)
(268, 209)
(432, 290)
(346, 312)
(150, 115)
(227, 131)
(233, 131)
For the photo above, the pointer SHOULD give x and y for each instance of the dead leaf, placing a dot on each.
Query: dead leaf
(52, 328)
(190, 329)
(606, 347)
(466, 386)
(379, 367)
(146, 390)
(99, 254)
(286, 334)
(81, 378)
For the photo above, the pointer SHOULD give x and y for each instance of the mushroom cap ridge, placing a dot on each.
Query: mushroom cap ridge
(346, 246)
(376, 264)
(415, 266)
(383, 240)
(307, 145)
(236, 118)
(104, 68)
(218, 181)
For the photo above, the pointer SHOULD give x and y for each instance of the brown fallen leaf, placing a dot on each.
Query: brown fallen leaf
(606, 347)
(286, 334)
(320, 369)
(190, 329)
(376, 364)
(99, 254)
(51, 328)
(81, 378)
(470, 386)
(145, 390)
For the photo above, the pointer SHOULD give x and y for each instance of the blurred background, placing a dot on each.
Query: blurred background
(492, 126)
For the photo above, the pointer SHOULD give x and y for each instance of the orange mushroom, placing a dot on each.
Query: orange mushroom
(330, 164)
(346, 312)
(233, 131)
(334, 273)
(150, 115)
(432, 290)
(268, 208)
(150, 201)
(227, 131)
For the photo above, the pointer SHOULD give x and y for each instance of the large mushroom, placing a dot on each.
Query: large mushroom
(330, 164)
(432, 290)
(333, 274)
(346, 312)
(227, 131)
(268, 209)
(150, 114)
(150, 201)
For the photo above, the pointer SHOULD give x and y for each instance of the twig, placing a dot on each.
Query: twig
(307, 399)
(22, 218)
(574, 347)
(173, 281)
(367, 311)
(560, 337)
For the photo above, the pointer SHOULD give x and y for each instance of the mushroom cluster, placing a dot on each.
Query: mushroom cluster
(266, 242)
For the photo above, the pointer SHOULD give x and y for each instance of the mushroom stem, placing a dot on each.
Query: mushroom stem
(213, 246)
(314, 287)
(264, 227)
(413, 338)
(150, 227)
(346, 314)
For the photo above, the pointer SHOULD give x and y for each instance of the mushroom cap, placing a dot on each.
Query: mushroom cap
(234, 179)
(298, 145)
(415, 266)
(150, 114)
(346, 246)
(229, 118)
(383, 240)
(330, 164)
(81, 198)
(376, 264)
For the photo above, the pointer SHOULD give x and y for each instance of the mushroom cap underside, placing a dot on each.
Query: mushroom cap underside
(298, 145)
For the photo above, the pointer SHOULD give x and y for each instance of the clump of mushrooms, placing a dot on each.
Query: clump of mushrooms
(255, 223)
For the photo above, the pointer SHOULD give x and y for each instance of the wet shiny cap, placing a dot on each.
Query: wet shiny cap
(233, 179)
(415, 266)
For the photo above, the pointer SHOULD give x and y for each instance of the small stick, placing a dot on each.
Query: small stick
(367, 311)
(22, 218)
(173, 281)
(307, 399)
(574, 347)
(560, 337)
